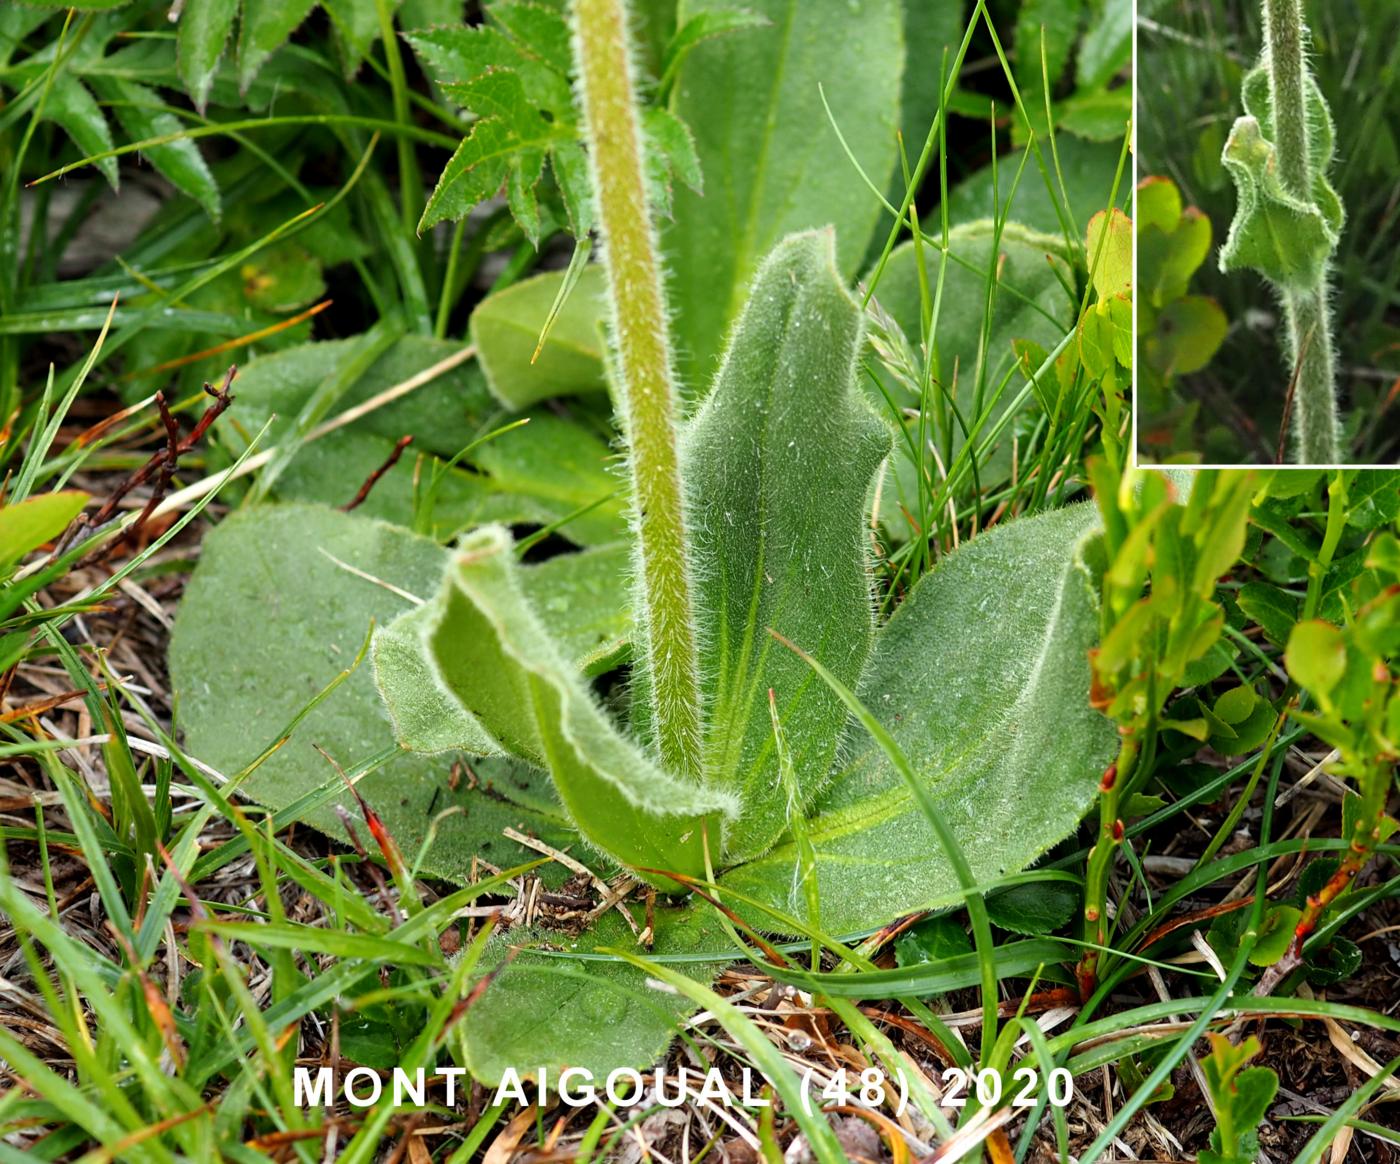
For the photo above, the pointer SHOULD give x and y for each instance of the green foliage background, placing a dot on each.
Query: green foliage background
(1192, 57)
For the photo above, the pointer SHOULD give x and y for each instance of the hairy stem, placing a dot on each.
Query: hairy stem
(1309, 322)
(1316, 426)
(644, 380)
(1288, 81)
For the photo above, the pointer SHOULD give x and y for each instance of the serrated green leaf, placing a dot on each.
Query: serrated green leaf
(757, 95)
(270, 617)
(143, 116)
(1373, 498)
(70, 104)
(982, 677)
(490, 649)
(200, 40)
(779, 534)
(1101, 116)
(1035, 909)
(26, 525)
(670, 154)
(1059, 20)
(506, 329)
(1107, 46)
(463, 56)
(570, 168)
(265, 27)
(1335, 962)
(356, 24)
(479, 167)
(537, 30)
(522, 175)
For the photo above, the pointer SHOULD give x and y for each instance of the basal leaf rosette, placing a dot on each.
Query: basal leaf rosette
(1287, 239)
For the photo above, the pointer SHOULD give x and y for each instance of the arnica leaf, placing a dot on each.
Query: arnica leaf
(547, 1009)
(838, 47)
(778, 462)
(491, 651)
(982, 677)
(538, 474)
(1286, 240)
(279, 605)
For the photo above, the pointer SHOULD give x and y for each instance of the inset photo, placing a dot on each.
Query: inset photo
(1267, 223)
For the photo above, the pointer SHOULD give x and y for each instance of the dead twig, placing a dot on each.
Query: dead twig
(161, 465)
(373, 479)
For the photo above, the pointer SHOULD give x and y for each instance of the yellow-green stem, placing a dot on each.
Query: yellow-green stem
(644, 381)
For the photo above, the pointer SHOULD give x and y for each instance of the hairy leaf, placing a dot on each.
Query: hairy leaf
(270, 617)
(547, 1010)
(489, 648)
(758, 95)
(579, 597)
(542, 473)
(982, 677)
(778, 461)
(1285, 239)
